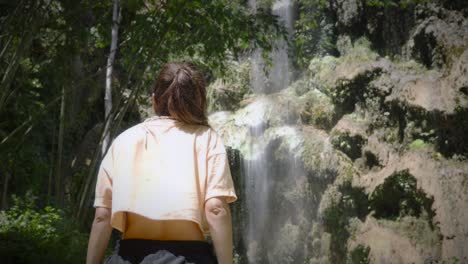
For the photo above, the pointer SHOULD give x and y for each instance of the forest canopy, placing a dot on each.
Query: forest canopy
(54, 56)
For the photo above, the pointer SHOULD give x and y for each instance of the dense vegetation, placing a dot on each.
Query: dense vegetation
(374, 120)
(53, 65)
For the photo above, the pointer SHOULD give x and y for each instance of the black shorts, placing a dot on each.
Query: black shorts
(132, 251)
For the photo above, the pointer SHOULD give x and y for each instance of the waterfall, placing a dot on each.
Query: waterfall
(278, 76)
(258, 235)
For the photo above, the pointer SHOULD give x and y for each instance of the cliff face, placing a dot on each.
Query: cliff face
(380, 134)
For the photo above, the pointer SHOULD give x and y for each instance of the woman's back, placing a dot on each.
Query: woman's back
(139, 227)
(163, 169)
(165, 183)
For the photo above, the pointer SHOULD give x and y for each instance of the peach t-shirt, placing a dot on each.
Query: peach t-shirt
(163, 169)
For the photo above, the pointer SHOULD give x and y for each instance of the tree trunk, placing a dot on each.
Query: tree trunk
(34, 19)
(58, 167)
(81, 212)
(52, 167)
(110, 65)
(5, 191)
(10, 72)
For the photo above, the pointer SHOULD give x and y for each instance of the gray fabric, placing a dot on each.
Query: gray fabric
(141, 251)
(160, 257)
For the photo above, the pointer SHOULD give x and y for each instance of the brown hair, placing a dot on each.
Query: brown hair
(180, 92)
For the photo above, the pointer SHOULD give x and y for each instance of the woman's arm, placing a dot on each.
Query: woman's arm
(218, 217)
(99, 237)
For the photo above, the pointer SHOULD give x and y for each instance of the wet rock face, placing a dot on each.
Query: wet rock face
(386, 25)
(239, 207)
(349, 12)
(293, 198)
(381, 143)
(430, 31)
(440, 37)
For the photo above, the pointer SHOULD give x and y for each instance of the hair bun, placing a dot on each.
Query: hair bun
(181, 93)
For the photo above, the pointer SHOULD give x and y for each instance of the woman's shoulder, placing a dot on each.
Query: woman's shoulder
(209, 133)
(204, 131)
(130, 134)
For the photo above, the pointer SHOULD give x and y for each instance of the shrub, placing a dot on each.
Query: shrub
(32, 235)
(400, 196)
(353, 203)
(359, 255)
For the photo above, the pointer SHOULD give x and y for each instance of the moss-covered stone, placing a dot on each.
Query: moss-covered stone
(315, 149)
(239, 208)
(384, 115)
(351, 145)
(317, 110)
(321, 71)
(418, 144)
(359, 255)
(399, 196)
(416, 229)
(441, 130)
(302, 86)
(227, 92)
(352, 203)
(441, 38)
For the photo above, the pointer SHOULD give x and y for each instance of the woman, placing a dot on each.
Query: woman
(165, 183)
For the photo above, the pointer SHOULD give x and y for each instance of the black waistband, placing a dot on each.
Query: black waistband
(137, 249)
(140, 245)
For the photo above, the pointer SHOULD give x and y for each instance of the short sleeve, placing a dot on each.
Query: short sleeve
(103, 193)
(219, 179)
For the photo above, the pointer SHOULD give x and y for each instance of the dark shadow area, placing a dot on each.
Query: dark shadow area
(353, 203)
(351, 145)
(399, 196)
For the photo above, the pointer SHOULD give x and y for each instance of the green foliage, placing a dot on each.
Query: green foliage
(266, 4)
(227, 92)
(399, 196)
(393, 3)
(361, 51)
(202, 29)
(48, 46)
(31, 235)
(418, 144)
(315, 28)
(236, 259)
(317, 108)
(314, 34)
(359, 255)
(353, 203)
(52, 47)
(351, 145)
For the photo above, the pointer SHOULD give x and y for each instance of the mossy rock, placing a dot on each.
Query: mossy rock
(317, 110)
(399, 196)
(419, 144)
(351, 203)
(417, 229)
(359, 255)
(321, 70)
(360, 52)
(227, 92)
(349, 144)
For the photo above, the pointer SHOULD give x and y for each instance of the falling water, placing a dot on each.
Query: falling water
(258, 168)
(278, 76)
